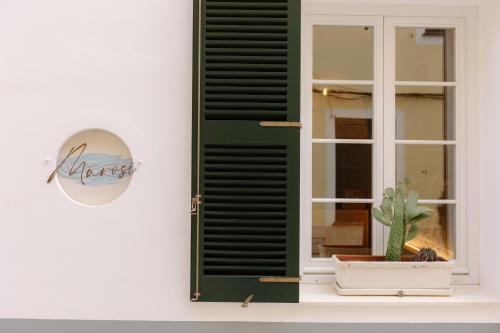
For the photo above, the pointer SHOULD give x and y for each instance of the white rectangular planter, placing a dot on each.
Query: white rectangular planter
(396, 277)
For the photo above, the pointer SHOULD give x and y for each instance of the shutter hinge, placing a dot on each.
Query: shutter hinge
(195, 204)
(196, 297)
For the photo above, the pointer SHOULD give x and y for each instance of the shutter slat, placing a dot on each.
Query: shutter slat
(268, 44)
(223, 98)
(244, 198)
(228, 220)
(279, 68)
(269, 59)
(248, 160)
(247, 82)
(246, 114)
(246, 5)
(279, 21)
(234, 175)
(246, 28)
(245, 106)
(245, 215)
(245, 254)
(253, 152)
(242, 190)
(246, 13)
(255, 52)
(242, 270)
(228, 246)
(244, 230)
(245, 207)
(245, 238)
(233, 167)
(259, 184)
(245, 75)
(249, 36)
(244, 262)
(248, 90)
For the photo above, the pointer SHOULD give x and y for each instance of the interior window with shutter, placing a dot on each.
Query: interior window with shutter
(246, 136)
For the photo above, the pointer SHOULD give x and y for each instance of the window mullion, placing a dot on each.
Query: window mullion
(389, 154)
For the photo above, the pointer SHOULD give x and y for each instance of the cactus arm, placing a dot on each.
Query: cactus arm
(421, 213)
(412, 233)
(389, 193)
(379, 216)
(411, 204)
(396, 235)
(401, 187)
(386, 207)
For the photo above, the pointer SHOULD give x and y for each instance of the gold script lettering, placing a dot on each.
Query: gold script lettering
(122, 171)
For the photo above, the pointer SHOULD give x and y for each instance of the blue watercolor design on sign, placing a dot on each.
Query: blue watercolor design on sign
(96, 162)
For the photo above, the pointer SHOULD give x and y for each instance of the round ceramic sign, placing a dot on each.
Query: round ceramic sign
(94, 167)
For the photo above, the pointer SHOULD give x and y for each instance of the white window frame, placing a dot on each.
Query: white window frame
(384, 18)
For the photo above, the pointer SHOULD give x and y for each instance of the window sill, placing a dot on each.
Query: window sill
(324, 294)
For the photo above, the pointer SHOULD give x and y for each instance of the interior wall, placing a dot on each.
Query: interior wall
(422, 117)
(347, 53)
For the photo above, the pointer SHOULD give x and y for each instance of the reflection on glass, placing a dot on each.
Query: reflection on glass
(429, 168)
(342, 112)
(342, 171)
(425, 54)
(425, 113)
(340, 229)
(437, 232)
(342, 52)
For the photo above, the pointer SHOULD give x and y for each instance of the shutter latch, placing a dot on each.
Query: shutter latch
(247, 301)
(195, 204)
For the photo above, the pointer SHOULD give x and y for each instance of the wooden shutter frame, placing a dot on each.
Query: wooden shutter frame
(293, 115)
(195, 158)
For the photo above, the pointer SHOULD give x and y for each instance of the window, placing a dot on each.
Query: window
(384, 99)
(379, 97)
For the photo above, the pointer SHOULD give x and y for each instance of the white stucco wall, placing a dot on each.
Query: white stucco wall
(125, 65)
(489, 107)
(70, 65)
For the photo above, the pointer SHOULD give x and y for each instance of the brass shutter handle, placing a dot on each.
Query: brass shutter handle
(281, 124)
(279, 279)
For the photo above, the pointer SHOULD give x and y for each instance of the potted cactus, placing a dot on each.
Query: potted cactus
(399, 212)
(394, 274)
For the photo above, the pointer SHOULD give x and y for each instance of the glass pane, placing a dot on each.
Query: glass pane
(342, 171)
(343, 52)
(425, 54)
(342, 112)
(437, 232)
(429, 168)
(425, 113)
(340, 229)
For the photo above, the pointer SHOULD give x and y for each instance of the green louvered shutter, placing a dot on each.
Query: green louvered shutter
(246, 70)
